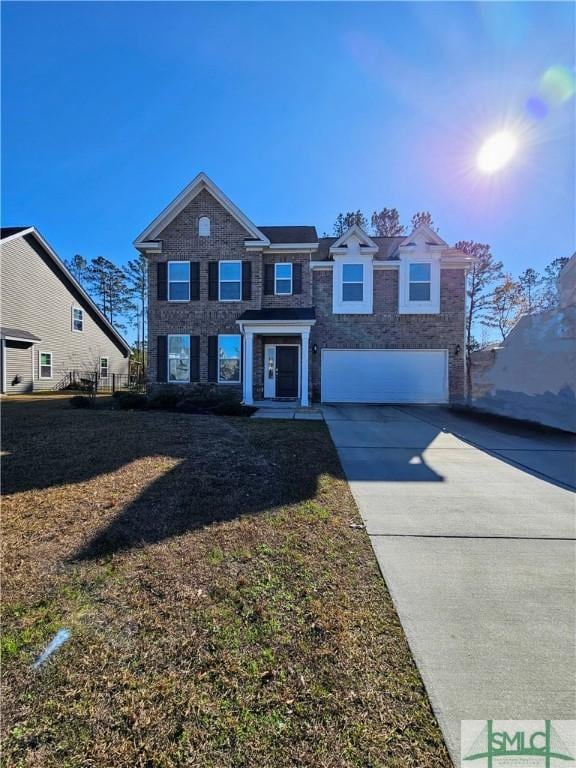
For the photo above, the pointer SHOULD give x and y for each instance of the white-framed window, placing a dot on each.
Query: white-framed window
(352, 282)
(104, 367)
(178, 281)
(229, 280)
(420, 281)
(45, 365)
(179, 358)
(229, 358)
(77, 319)
(283, 279)
(204, 226)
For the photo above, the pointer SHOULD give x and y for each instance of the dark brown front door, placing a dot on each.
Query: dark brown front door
(286, 371)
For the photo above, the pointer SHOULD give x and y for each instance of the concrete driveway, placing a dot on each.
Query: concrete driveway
(473, 525)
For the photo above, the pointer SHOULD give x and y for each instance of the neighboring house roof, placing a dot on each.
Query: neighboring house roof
(387, 246)
(299, 313)
(290, 234)
(15, 334)
(36, 241)
(197, 185)
(9, 231)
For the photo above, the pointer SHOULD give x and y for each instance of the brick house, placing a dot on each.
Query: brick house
(279, 313)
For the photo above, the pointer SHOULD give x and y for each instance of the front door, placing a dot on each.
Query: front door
(286, 371)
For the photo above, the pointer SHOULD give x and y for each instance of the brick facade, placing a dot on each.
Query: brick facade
(384, 329)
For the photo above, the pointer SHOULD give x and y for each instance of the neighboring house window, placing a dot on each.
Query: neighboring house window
(204, 226)
(352, 282)
(77, 319)
(420, 281)
(229, 359)
(178, 281)
(179, 358)
(230, 280)
(104, 368)
(45, 365)
(283, 279)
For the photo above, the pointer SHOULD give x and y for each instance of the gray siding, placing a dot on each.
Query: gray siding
(19, 369)
(36, 299)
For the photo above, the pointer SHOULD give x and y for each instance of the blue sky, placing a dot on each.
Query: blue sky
(297, 110)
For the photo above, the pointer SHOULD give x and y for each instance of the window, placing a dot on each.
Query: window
(45, 365)
(178, 281)
(229, 359)
(77, 319)
(283, 279)
(103, 367)
(352, 282)
(420, 280)
(230, 282)
(178, 358)
(204, 226)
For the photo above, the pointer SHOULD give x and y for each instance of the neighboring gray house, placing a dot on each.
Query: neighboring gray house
(50, 326)
(532, 373)
(279, 313)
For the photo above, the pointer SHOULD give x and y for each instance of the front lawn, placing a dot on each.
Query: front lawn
(224, 610)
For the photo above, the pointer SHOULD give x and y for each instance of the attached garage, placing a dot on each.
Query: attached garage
(384, 376)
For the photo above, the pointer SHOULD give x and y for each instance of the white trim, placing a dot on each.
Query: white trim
(177, 381)
(321, 264)
(357, 231)
(202, 222)
(104, 357)
(24, 341)
(409, 307)
(283, 247)
(364, 307)
(77, 309)
(54, 256)
(229, 336)
(17, 234)
(275, 326)
(198, 184)
(45, 352)
(239, 281)
(427, 233)
(291, 278)
(275, 347)
(3, 353)
(168, 281)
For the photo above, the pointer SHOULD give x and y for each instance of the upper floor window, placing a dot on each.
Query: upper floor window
(352, 282)
(283, 279)
(204, 226)
(178, 281)
(104, 367)
(179, 358)
(77, 319)
(230, 280)
(229, 359)
(45, 365)
(420, 275)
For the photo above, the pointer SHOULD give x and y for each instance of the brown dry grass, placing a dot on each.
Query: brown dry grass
(223, 612)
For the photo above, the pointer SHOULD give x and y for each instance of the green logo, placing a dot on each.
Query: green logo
(540, 745)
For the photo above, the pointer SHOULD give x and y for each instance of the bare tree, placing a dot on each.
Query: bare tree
(529, 282)
(505, 306)
(422, 218)
(346, 220)
(386, 223)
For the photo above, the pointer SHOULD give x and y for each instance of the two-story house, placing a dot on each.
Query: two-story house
(51, 328)
(280, 313)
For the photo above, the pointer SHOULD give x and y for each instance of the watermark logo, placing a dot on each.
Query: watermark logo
(518, 743)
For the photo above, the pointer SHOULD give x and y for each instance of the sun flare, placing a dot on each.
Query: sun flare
(496, 152)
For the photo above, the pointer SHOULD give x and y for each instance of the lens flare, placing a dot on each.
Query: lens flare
(557, 85)
(496, 152)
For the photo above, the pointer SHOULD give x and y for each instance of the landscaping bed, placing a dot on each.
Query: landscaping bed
(224, 605)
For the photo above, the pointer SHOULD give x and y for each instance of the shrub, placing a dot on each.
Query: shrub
(164, 400)
(233, 408)
(81, 401)
(130, 401)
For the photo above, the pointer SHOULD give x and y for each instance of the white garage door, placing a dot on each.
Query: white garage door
(384, 376)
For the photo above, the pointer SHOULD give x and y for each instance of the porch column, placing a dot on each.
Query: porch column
(304, 399)
(3, 364)
(248, 366)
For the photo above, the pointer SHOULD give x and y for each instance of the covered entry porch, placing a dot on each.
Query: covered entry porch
(275, 350)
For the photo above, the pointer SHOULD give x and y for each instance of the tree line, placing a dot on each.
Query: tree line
(496, 299)
(120, 293)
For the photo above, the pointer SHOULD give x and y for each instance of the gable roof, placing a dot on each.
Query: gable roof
(198, 183)
(387, 247)
(290, 234)
(37, 241)
(355, 231)
(431, 237)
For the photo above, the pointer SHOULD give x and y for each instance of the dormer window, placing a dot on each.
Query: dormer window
(420, 281)
(352, 282)
(204, 226)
